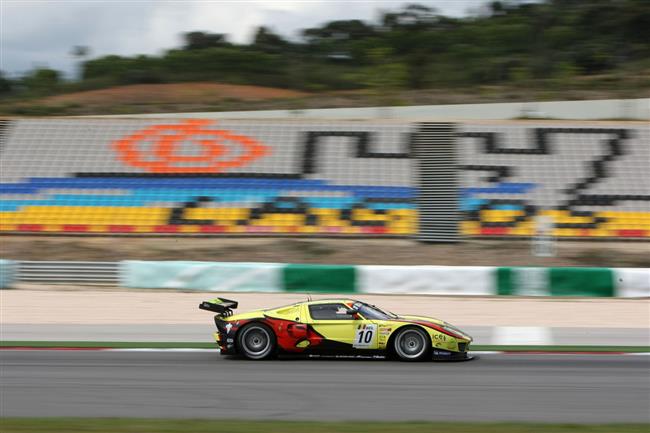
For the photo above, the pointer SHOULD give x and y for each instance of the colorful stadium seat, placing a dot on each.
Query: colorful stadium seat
(291, 177)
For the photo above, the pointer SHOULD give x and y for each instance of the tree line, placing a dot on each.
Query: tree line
(413, 47)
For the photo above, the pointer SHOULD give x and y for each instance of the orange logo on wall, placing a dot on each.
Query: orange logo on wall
(163, 140)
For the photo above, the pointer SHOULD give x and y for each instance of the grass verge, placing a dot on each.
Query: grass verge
(186, 345)
(116, 425)
(110, 344)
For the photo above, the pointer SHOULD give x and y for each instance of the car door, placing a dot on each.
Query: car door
(350, 331)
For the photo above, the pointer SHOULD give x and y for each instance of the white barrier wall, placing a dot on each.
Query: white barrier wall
(423, 280)
(604, 109)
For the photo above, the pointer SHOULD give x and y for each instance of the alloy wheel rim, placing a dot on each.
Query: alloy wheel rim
(410, 344)
(256, 341)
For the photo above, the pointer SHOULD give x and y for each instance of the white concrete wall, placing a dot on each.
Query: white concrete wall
(606, 109)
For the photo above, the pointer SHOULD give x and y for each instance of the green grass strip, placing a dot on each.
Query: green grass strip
(186, 345)
(111, 344)
(118, 425)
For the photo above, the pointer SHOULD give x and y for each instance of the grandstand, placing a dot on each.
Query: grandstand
(281, 177)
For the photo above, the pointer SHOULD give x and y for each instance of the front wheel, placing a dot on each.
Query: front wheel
(412, 344)
(256, 341)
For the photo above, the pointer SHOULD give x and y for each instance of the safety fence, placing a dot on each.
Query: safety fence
(309, 278)
(430, 181)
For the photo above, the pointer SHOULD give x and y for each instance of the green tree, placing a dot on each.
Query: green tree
(203, 40)
(6, 85)
(268, 41)
(411, 47)
(342, 30)
(384, 75)
(412, 17)
(42, 81)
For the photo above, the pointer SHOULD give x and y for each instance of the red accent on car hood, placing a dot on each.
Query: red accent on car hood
(432, 323)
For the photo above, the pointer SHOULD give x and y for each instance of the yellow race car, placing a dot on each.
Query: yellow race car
(334, 327)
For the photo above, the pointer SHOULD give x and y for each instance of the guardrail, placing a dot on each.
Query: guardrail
(53, 272)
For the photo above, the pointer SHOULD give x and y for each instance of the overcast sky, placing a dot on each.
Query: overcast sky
(42, 32)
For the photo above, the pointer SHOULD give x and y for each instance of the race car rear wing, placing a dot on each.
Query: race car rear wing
(221, 306)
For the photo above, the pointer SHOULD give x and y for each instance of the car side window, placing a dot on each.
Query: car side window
(336, 311)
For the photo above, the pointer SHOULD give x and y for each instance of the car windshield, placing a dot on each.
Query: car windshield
(373, 312)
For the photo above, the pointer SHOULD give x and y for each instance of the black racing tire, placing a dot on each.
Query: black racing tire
(256, 341)
(411, 344)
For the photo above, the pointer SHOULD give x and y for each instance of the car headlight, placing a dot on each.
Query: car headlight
(452, 329)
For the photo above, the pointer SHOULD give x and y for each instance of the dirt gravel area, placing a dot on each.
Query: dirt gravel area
(212, 96)
(88, 306)
(322, 250)
(171, 93)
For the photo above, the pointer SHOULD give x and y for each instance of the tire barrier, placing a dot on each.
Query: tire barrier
(203, 177)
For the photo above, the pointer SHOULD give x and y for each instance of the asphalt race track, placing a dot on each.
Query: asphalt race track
(553, 388)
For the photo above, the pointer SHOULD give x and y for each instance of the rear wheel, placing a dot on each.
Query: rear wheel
(412, 344)
(256, 341)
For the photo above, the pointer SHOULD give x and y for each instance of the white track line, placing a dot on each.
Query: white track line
(522, 335)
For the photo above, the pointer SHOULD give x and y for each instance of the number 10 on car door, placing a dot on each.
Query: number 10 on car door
(365, 336)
